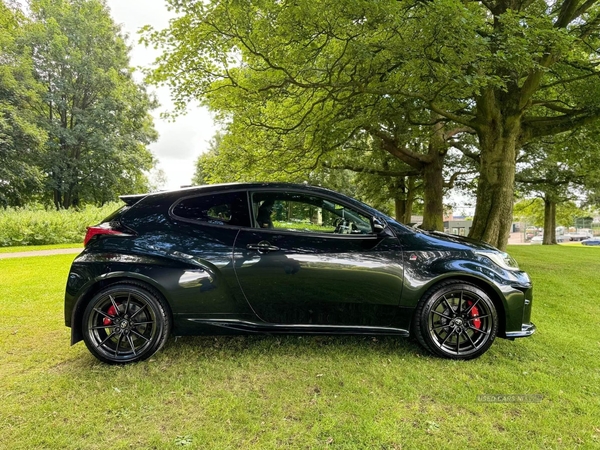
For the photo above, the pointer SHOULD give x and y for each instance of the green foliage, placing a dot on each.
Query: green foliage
(360, 168)
(34, 225)
(69, 91)
(558, 169)
(532, 212)
(21, 139)
(302, 78)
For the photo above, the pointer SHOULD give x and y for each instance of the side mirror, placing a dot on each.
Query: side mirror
(378, 224)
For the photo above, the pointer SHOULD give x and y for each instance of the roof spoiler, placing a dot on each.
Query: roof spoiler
(131, 200)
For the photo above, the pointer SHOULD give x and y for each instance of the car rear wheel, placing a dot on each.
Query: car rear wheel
(125, 323)
(456, 320)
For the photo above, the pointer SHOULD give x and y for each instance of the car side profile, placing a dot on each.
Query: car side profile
(591, 241)
(282, 258)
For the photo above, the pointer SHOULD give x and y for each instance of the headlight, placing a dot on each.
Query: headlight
(501, 259)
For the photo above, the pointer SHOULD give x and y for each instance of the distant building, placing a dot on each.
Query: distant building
(458, 227)
(415, 221)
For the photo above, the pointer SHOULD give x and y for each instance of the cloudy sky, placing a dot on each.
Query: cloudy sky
(180, 142)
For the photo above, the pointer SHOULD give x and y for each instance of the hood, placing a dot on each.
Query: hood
(469, 243)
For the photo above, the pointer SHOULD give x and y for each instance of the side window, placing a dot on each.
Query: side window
(215, 209)
(306, 213)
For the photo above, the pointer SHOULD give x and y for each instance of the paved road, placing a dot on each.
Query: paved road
(57, 251)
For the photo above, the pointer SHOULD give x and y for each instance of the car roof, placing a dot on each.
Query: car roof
(223, 187)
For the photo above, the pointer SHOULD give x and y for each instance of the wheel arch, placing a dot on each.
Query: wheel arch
(105, 281)
(484, 285)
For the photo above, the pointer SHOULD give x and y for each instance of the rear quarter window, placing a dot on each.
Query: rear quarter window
(119, 212)
(229, 208)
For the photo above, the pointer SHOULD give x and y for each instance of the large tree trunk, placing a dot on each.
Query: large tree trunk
(400, 207)
(433, 181)
(495, 191)
(433, 195)
(549, 221)
(404, 199)
(495, 196)
(410, 199)
(430, 166)
(399, 192)
(57, 199)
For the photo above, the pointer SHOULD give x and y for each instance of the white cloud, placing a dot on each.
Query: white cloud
(182, 141)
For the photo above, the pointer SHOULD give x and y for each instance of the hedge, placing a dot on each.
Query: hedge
(35, 225)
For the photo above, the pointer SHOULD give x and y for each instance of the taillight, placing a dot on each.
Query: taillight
(103, 228)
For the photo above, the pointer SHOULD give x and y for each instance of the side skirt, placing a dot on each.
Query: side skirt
(237, 326)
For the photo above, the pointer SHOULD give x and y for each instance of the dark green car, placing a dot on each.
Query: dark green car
(283, 258)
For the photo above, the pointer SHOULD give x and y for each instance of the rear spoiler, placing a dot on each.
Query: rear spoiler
(131, 200)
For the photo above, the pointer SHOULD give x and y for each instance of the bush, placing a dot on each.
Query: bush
(35, 225)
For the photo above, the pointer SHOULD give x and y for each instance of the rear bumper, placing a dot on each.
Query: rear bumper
(526, 330)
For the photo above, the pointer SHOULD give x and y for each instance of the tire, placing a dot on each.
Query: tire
(455, 320)
(125, 323)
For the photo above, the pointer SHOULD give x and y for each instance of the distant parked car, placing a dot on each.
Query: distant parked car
(579, 236)
(538, 240)
(591, 241)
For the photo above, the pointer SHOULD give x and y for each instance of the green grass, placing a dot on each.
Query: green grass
(303, 392)
(27, 248)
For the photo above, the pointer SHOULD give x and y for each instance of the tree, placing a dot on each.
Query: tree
(376, 176)
(96, 116)
(298, 128)
(357, 169)
(560, 169)
(157, 180)
(21, 140)
(533, 211)
(321, 55)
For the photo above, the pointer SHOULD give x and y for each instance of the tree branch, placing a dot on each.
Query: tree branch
(468, 153)
(454, 117)
(570, 80)
(403, 153)
(546, 126)
(450, 183)
(583, 8)
(451, 133)
(381, 172)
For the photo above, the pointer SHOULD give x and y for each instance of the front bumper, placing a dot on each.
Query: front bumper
(526, 330)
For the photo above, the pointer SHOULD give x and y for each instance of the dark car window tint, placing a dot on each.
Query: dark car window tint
(216, 209)
(307, 213)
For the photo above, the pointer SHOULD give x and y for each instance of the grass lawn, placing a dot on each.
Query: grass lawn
(303, 392)
(28, 248)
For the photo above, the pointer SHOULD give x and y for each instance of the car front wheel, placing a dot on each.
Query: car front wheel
(124, 323)
(456, 320)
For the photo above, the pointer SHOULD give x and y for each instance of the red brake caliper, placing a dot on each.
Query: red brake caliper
(112, 311)
(474, 313)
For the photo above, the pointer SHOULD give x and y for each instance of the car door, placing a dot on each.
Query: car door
(205, 226)
(312, 259)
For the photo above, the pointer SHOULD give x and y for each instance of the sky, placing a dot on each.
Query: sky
(182, 141)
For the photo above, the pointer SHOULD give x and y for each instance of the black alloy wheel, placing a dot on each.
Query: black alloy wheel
(456, 320)
(125, 323)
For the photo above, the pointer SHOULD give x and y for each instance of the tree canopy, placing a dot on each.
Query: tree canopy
(559, 170)
(74, 120)
(21, 139)
(406, 72)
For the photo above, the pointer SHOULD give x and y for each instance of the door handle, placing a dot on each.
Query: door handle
(262, 247)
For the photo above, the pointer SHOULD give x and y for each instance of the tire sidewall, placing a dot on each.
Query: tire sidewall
(431, 298)
(153, 301)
